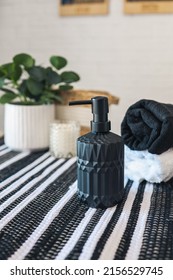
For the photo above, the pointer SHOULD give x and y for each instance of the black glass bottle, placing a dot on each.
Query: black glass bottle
(100, 164)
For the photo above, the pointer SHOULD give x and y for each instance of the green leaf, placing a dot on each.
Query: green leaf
(37, 73)
(58, 61)
(23, 87)
(1, 72)
(17, 73)
(7, 97)
(65, 87)
(23, 90)
(52, 78)
(11, 71)
(69, 77)
(44, 99)
(2, 79)
(50, 96)
(7, 90)
(24, 59)
(34, 87)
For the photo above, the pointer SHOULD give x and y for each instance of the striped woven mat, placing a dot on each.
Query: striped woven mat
(41, 216)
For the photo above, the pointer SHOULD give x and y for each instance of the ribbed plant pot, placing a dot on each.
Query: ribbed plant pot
(26, 127)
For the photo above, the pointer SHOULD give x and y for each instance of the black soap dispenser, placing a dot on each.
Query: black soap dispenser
(100, 153)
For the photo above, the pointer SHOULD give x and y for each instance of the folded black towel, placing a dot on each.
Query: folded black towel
(148, 125)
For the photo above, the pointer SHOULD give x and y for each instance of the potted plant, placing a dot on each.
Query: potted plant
(29, 92)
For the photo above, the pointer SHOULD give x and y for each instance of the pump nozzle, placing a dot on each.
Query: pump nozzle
(100, 109)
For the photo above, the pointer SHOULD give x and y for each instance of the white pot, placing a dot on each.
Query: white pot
(26, 127)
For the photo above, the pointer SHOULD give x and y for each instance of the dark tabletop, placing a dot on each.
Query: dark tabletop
(41, 216)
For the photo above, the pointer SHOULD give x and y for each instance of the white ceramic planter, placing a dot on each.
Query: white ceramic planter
(26, 127)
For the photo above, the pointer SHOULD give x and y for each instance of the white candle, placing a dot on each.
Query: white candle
(63, 136)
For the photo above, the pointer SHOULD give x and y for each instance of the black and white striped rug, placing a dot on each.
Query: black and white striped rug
(41, 216)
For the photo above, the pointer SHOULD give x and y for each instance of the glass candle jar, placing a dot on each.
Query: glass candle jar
(63, 136)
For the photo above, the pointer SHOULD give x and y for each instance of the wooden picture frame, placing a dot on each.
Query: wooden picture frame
(148, 6)
(83, 7)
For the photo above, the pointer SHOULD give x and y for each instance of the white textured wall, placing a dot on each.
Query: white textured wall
(129, 56)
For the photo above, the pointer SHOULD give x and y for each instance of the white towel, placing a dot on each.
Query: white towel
(142, 165)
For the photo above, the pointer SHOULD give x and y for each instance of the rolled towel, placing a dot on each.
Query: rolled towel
(148, 125)
(142, 165)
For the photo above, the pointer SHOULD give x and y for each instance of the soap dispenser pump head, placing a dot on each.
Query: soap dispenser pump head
(100, 110)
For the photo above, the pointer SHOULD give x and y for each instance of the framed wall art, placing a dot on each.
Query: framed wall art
(83, 7)
(148, 6)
